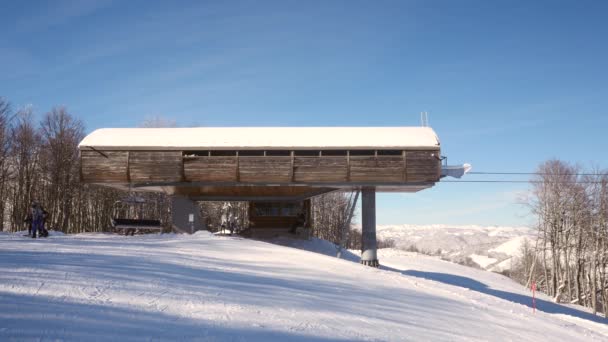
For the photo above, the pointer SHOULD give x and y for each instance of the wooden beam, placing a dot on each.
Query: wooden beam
(98, 151)
(348, 165)
(128, 167)
(404, 154)
(394, 184)
(291, 170)
(260, 198)
(238, 176)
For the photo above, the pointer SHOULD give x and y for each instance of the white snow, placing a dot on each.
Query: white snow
(504, 265)
(488, 246)
(200, 138)
(513, 246)
(455, 171)
(214, 288)
(482, 260)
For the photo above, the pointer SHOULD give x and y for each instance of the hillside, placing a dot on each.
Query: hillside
(492, 248)
(204, 287)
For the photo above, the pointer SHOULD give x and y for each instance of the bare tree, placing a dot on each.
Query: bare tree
(40, 162)
(5, 144)
(572, 234)
(24, 154)
(331, 214)
(213, 213)
(60, 133)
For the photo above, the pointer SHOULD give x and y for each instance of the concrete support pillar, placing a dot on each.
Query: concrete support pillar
(185, 215)
(369, 255)
(308, 212)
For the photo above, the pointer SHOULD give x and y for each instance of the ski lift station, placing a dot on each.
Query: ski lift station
(275, 169)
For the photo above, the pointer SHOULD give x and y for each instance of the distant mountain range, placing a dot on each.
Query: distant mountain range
(493, 248)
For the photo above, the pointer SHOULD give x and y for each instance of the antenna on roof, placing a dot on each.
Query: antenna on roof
(424, 119)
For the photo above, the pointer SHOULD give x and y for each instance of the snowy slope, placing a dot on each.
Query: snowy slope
(491, 247)
(202, 287)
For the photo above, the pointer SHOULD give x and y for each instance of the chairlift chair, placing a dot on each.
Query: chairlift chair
(134, 207)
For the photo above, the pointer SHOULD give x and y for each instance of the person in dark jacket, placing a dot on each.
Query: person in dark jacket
(45, 215)
(37, 219)
(28, 220)
(35, 210)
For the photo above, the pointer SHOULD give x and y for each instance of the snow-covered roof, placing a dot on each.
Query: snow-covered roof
(248, 138)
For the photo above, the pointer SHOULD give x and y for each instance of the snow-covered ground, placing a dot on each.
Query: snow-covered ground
(213, 288)
(491, 247)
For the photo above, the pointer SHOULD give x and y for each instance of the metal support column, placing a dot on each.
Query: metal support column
(369, 255)
(185, 215)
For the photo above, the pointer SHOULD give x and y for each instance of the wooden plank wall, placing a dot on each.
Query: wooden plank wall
(264, 169)
(210, 169)
(104, 167)
(172, 166)
(156, 166)
(320, 169)
(377, 169)
(423, 166)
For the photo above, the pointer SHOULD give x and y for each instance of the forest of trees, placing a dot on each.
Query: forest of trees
(569, 260)
(39, 162)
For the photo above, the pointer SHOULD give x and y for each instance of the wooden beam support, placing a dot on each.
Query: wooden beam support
(128, 166)
(291, 170)
(348, 165)
(404, 154)
(238, 175)
(98, 151)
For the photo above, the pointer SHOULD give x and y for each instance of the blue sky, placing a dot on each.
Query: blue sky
(508, 84)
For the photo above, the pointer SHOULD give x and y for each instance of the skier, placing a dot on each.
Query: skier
(38, 219)
(28, 220)
(45, 215)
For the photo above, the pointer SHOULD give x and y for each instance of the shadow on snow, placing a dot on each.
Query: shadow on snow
(471, 284)
(25, 317)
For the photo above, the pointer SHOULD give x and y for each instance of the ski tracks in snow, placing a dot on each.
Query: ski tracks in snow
(212, 287)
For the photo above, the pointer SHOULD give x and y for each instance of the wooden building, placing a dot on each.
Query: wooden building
(262, 164)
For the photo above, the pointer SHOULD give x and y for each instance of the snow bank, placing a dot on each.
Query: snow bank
(513, 246)
(482, 260)
(204, 287)
(317, 246)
